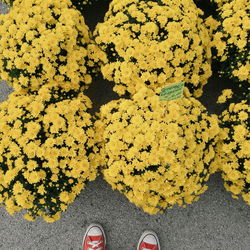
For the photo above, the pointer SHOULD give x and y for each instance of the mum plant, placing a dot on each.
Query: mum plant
(44, 40)
(230, 43)
(154, 43)
(47, 150)
(156, 153)
(233, 150)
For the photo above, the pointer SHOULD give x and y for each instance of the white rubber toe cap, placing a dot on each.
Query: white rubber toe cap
(94, 231)
(150, 239)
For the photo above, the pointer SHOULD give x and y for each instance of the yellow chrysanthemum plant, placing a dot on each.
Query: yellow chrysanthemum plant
(156, 153)
(47, 150)
(45, 40)
(233, 150)
(230, 43)
(154, 43)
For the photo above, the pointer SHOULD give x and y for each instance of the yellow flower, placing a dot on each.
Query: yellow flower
(226, 94)
(17, 188)
(64, 197)
(41, 189)
(243, 115)
(28, 217)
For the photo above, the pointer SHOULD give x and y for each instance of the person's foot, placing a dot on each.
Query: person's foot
(94, 238)
(148, 241)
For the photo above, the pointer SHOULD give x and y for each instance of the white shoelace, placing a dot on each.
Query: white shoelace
(95, 244)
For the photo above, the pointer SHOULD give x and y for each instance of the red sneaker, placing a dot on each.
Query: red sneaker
(148, 241)
(94, 238)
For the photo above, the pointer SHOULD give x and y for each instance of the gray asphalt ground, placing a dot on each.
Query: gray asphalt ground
(216, 221)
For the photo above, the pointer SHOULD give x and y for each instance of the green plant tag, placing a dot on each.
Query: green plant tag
(172, 92)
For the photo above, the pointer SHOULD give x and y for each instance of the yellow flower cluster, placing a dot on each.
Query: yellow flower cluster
(233, 150)
(155, 152)
(47, 150)
(239, 93)
(154, 43)
(231, 40)
(211, 25)
(226, 94)
(44, 40)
